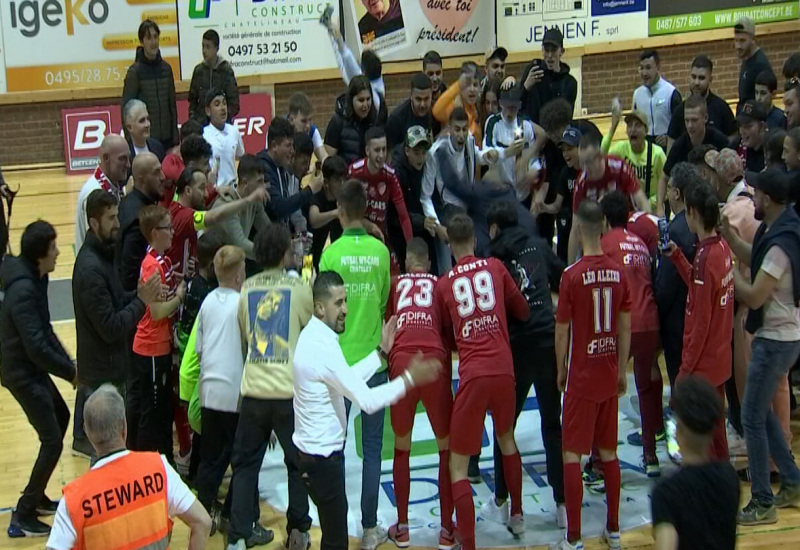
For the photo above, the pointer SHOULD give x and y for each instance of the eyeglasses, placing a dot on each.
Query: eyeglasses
(165, 227)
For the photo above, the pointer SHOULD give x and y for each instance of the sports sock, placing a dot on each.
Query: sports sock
(402, 483)
(465, 513)
(445, 491)
(651, 413)
(613, 481)
(512, 470)
(573, 493)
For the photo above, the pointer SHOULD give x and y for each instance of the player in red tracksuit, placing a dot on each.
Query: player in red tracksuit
(709, 306)
(382, 186)
(593, 327)
(645, 226)
(418, 321)
(631, 252)
(474, 297)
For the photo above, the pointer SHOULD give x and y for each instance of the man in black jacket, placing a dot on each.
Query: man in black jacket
(212, 72)
(150, 79)
(105, 315)
(31, 353)
(537, 272)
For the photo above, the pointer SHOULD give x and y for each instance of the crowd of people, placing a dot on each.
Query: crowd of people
(241, 301)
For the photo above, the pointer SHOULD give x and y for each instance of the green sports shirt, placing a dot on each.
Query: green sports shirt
(638, 161)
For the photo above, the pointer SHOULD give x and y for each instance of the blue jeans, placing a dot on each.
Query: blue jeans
(770, 362)
(372, 445)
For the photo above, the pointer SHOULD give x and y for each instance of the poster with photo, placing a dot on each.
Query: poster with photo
(380, 25)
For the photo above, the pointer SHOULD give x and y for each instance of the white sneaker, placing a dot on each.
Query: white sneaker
(612, 539)
(494, 512)
(564, 544)
(737, 446)
(238, 545)
(516, 525)
(561, 516)
(673, 449)
(374, 537)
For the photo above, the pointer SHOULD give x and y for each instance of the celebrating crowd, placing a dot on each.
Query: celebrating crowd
(226, 302)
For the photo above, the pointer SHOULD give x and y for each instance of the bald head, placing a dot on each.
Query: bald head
(115, 160)
(147, 175)
(104, 419)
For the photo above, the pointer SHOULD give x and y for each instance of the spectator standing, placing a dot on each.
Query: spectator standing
(772, 294)
(194, 152)
(346, 129)
(31, 354)
(300, 115)
(110, 175)
(150, 79)
(323, 214)
(657, 97)
(791, 103)
(733, 192)
(754, 60)
(212, 72)
(225, 140)
(432, 67)
(561, 207)
(414, 111)
(136, 119)
(495, 64)
(720, 116)
(467, 90)
(766, 87)
(363, 263)
(751, 144)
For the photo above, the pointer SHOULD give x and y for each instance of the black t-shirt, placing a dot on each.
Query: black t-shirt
(683, 146)
(701, 502)
(752, 159)
(332, 228)
(402, 118)
(748, 73)
(776, 119)
(565, 185)
(720, 117)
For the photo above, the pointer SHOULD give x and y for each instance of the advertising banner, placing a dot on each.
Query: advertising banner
(256, 36)
(401, 30)
(2, 60)
(521, 25)
(67, 44)
(678, 16)
(85, 127)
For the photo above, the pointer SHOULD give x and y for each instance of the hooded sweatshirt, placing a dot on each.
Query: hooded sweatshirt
(152, 81)
(554, 84)
(219, 77)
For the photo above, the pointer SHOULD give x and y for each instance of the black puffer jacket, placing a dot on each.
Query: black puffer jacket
(219, 77)
(346, 131)
(105, 315)
(537, 271)
(131, 244)
(152, 82)
(30, 349)
(553, 85)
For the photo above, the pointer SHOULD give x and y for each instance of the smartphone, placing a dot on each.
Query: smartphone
(663, 233)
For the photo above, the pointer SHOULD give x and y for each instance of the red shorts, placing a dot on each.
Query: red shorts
(587, 423)
(436, 397)
(486, 393)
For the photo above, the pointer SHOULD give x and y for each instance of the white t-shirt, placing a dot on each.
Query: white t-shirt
(500, 134)
(179, 499)
(781, 317)
(226, 146)
(81, 222)
(219, 345)
(139, 150)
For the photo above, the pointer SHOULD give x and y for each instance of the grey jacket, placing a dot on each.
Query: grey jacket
(235, 230)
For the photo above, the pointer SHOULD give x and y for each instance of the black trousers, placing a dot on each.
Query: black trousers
(257, 420)
(49, 415)
(324, 479)
(77, 417)
(672, 343)
(563, 229)
(535, 365)
(219, 430)
(154, 380)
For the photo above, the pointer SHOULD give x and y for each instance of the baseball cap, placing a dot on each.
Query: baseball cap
(751, 110)
(775, 183)
(499, 53)
(638, 114)
(213, 93)
(417, 135)
(745, 25)
(554, 37)
(726, 164)
(511, 97)
(571, 136)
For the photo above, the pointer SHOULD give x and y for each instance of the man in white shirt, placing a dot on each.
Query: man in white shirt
(110, 175)
(129, 483)
(322, 380)
(225, 140)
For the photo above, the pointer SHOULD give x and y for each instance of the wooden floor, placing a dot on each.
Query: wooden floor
(51, 195)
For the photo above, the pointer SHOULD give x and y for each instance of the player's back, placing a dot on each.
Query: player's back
(645, 226)
(474, 297)
(411, 299)
(593, 292)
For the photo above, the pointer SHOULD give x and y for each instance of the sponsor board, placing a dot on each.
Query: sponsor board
(679, 16)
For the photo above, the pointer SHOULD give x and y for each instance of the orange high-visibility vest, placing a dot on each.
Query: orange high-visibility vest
(121, 505)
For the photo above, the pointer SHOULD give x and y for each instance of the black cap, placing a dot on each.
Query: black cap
(553, 36)
(751, 110)
(511, 96)
(499, 53)
(571, 136)
(774, 183)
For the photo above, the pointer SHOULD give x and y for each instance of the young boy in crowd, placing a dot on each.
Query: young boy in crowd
(225, 140)
(766, 87)
(300, 115)
(323, 215)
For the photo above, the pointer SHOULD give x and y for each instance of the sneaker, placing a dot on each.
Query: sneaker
(744, 475)
(238, 545)
(447, 540)
(736, 443)
(673, 449)
(216, 516)
(260, 536)
(635, 438)
(398, 533)
(611, 538)
(495, 512)
(27, 527)
(182, 463)
(516, 525)
(298, 540)
(593, 480)
(561, 516)
(564, 544)
(788, 496)
(47, 507)
(81, 448)
(373, 537)
(474, 471)
(651, 467)
(756, 514)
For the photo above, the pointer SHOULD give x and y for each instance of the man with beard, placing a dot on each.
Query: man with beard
(656, 96)
(414, 111)
(432, 67)
(104, 314)
(754, 60)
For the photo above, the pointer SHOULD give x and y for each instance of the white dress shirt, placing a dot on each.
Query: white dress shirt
(227, 146)
(322, 379)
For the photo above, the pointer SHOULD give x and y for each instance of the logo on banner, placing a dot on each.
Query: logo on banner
(28, 15)
(201, 9)
(84, 130)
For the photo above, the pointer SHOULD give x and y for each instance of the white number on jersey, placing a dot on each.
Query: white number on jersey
(423, 293)
(476, 291)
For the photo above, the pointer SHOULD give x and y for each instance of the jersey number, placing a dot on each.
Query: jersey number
(482, 295)
(602, 309)
(423, 296)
